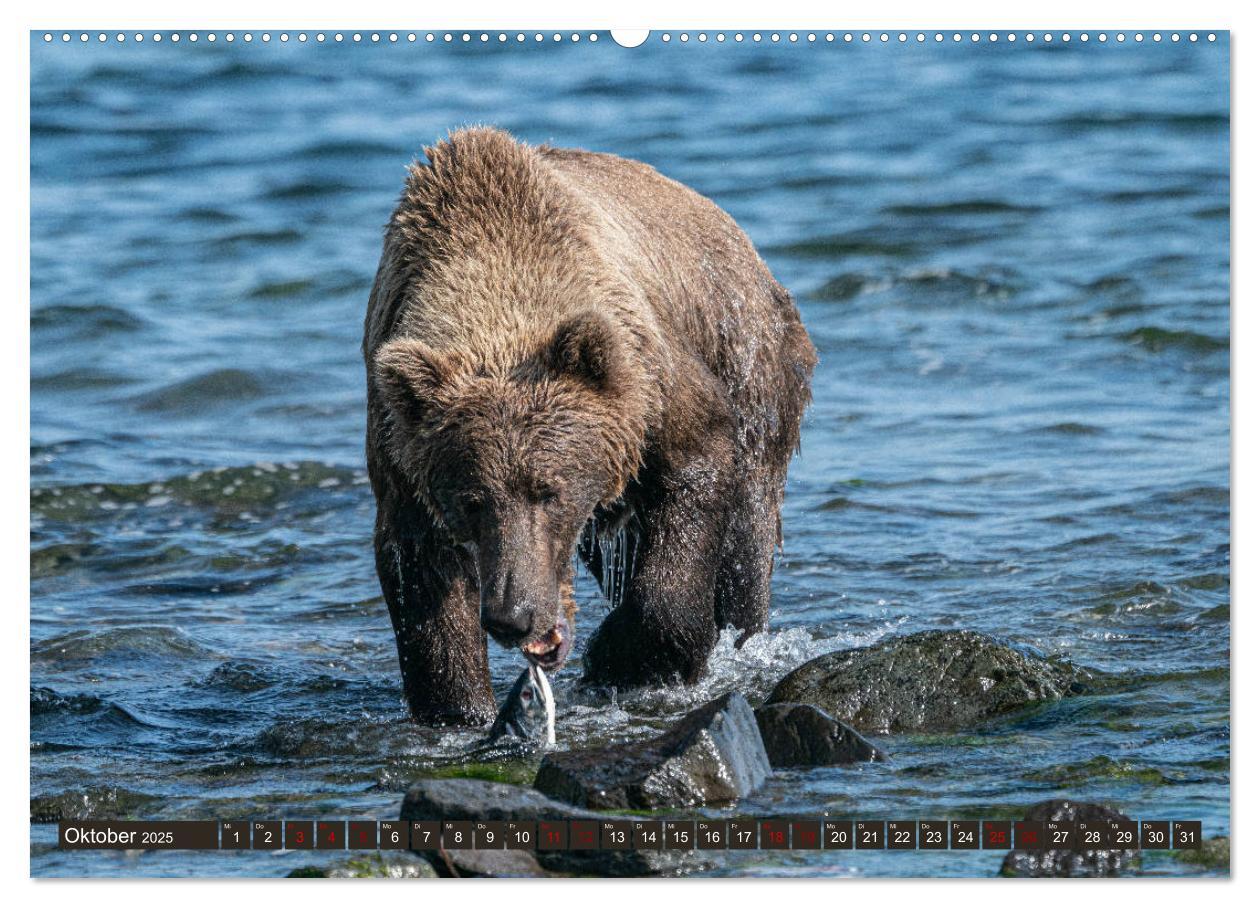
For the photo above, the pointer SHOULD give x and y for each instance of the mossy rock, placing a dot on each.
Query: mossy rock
(934, 681)
(1213, 854)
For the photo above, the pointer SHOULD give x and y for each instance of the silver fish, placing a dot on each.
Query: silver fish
(529, 712)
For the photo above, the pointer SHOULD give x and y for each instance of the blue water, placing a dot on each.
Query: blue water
(1014, 263)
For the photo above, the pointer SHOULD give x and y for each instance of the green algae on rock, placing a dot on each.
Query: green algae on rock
(930, 681)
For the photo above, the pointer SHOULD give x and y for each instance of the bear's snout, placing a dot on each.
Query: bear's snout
(506, 620)
(519, 594)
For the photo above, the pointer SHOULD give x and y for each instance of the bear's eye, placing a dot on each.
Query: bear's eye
(544, 495)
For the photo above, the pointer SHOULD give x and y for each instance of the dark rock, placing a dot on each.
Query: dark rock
(930, 681)
(713, 754)
(457, 862)
(797, 734)
(473, 799)
(393, 865)
(1059, 862)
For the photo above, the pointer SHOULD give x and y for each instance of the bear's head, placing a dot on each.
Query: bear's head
(511, 454)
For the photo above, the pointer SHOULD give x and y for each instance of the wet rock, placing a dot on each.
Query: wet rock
(468, 862)
(1067, 862)
(797, 734)
(473, 799)
(712, 754)
(1213, 854)
(104, 803)
(930, 681)
(394, 865)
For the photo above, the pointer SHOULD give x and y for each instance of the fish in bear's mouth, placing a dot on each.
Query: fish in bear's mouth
(549, 650)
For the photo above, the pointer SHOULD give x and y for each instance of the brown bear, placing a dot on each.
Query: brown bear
(568, 352)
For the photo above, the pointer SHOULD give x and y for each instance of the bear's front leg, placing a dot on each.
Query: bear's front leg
(441, 646)
(664, 630)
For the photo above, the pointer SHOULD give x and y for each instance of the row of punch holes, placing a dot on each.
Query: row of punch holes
(664, 37)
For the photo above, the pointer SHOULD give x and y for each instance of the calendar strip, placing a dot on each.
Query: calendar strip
(813, 834)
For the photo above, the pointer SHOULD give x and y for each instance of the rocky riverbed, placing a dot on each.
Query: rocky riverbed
(832, 711)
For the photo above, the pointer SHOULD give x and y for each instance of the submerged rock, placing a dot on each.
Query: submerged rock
(797, 734)
(930, 681)
(472, 799)
(1059, 862)
(712, 754)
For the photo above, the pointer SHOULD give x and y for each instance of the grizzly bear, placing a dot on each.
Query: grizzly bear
(566, 353)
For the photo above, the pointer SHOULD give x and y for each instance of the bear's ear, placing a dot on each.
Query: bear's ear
(409, 375)
(586, 347)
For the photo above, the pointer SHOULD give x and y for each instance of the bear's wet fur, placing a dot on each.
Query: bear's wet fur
(555, 339)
